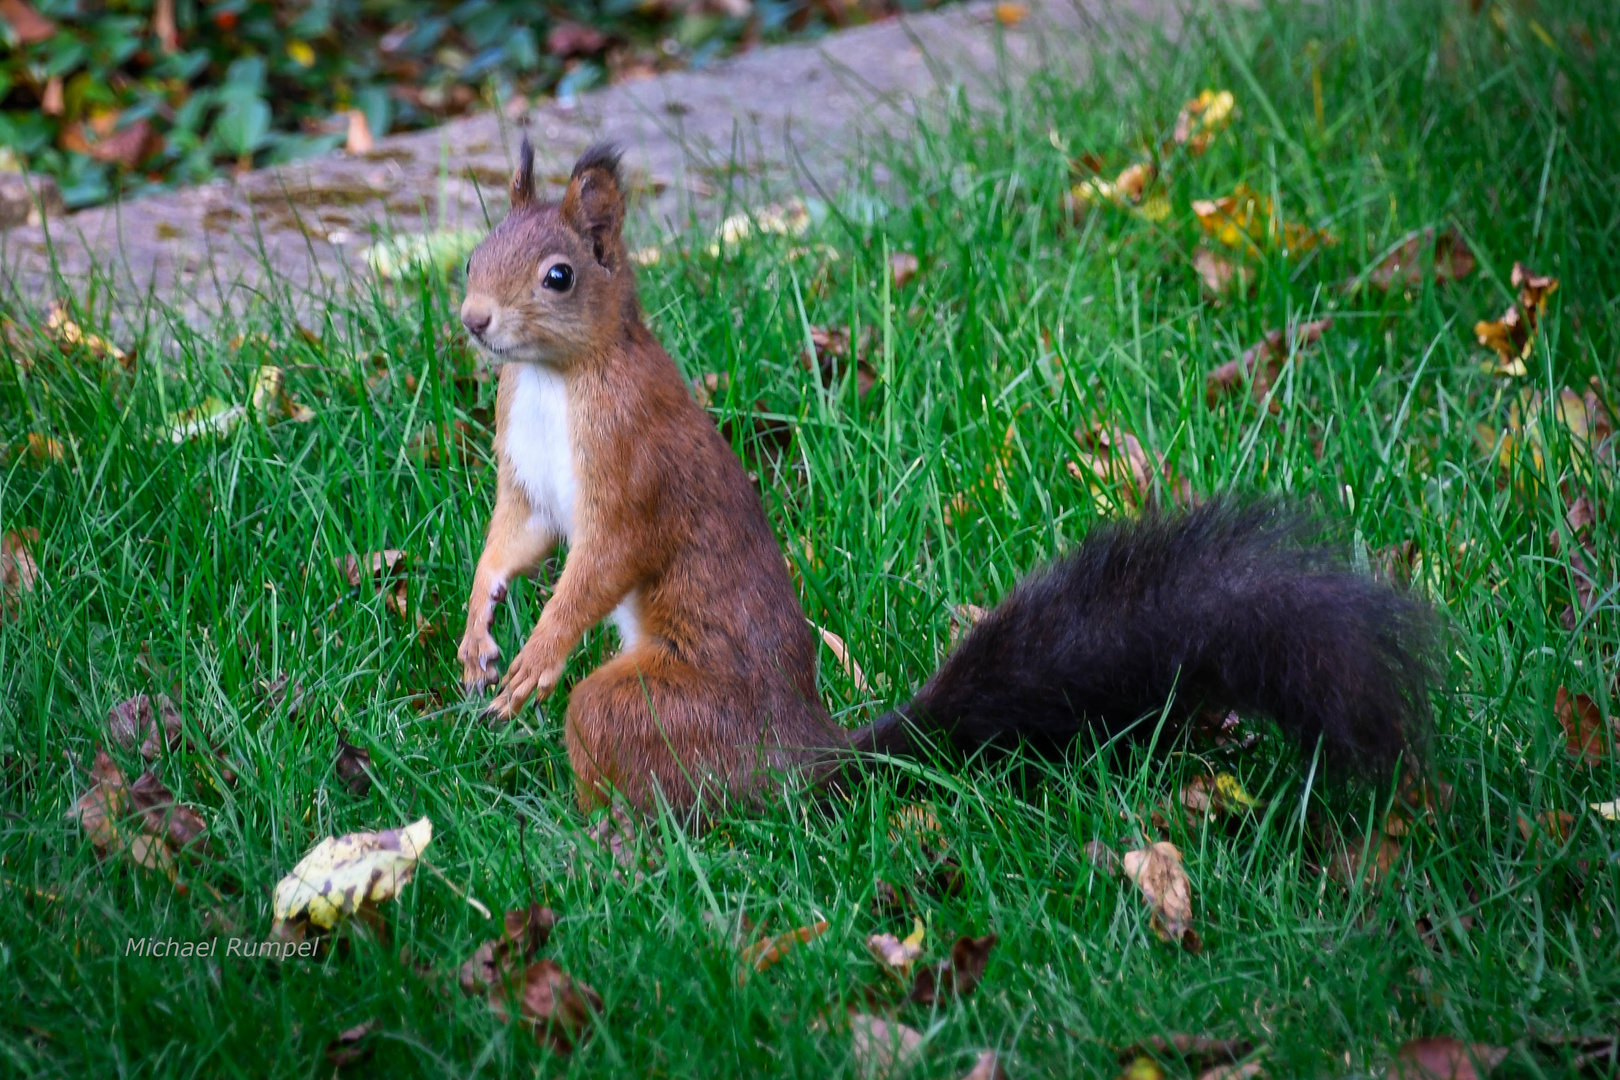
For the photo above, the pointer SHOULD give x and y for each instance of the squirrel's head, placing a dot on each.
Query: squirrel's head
(552, 283)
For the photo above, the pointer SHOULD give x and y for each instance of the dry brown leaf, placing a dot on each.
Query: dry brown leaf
(61, 327)
(27, 24)
(358, 140)
(1403, 266)
(353, 767)
(126, 147)
(1104, 858)
(957, 976)
(19, 573)
(965, 617)
(1202, 118)
(1219, 273)
(162, 816)
(832, 354)
(439, 443)
(767, 951)
(139, 722)
(102, 810)
(1262, 363)
(1512, 336)
(556, 1006)
(882, 1047)
(1555, 824)
(1119, 473)
(1157, 871)
(525, 933)
(1446, 1059)
(840, 651)
(386, 572)
(351, 1046)
(1586, 736)
(903, 267)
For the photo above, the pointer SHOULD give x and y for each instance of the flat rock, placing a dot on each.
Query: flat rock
(762, 125)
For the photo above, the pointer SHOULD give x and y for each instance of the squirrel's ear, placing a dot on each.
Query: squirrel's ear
(523, 178)
(594, 203)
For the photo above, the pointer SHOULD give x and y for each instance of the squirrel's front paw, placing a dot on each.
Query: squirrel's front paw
(530, 674)
(478, 654)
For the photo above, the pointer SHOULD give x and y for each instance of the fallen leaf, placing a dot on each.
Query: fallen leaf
(896, 955)
(19, 573)
(1157, 871)
(1246, 1071)
(1119, 473)
(1126, 191)
(1609, 811)
(987, 1067)
(1246, 220)
(438, 443)
(385, 571)
(1219, 273)
(831, 354)
(60, 326)
(1556, 824)
(791, 218)
(1513, 335)
(965, 617)
(1446, 1059)
(126, 147)
(767, 951)
(269, 397)
(555, 1005)
(882, 1047)
(1216, 795)
(162, 816)
(358, 140)
(1196, 1050)
(1403, 266)
(841, 653)
(1011, 13)
(1262, 363)
(102, 810)
(1584, 730)
(27, 25)
(141, 722)
(412, 254)
(351, 1046)
(353, 767)
(903, 267)
(525, 933)
(1202, 118)
(210, 417)
(340, 875)
(1142, 1068)
(1104, 858)
(957, 976)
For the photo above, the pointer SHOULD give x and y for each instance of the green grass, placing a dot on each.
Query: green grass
(206, 568)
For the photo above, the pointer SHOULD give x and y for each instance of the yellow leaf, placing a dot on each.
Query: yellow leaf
(340, 874)
(301, 54)
(1202, 118)
(1011, 13)
(1609, 810)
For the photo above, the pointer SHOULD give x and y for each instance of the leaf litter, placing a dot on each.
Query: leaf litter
(343, 876)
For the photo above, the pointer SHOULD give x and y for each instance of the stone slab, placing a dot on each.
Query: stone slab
(761, 125)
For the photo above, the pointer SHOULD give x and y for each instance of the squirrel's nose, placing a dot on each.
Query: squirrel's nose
(476, 317)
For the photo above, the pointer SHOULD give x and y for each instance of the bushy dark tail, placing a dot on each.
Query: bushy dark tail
(1229, 606)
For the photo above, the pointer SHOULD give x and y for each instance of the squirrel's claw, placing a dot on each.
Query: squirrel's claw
(478, 655)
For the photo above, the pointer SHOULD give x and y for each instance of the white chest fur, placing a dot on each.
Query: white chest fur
(542, 460)
(537, 447)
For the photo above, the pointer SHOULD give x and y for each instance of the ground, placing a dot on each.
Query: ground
(1046, 365)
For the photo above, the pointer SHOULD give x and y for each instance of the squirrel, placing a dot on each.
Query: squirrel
(600, 445)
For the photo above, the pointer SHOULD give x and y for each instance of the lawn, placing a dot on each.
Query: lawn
(1054, 311)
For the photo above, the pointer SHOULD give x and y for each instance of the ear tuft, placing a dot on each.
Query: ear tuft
(523, 178)
(594, 203)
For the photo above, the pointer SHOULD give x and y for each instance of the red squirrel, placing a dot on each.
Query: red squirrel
(601, 445)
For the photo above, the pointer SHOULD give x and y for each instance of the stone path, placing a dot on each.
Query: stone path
(762, 125)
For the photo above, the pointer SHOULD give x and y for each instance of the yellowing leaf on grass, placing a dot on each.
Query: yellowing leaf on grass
(767, 951)
(340, 875)
(1202, 118)
(1157, 871)
(60, 325)
(270, 399)
(1216, 795)
(1584, 419)
(897, 955)
(1125, 191)
(1512, 336)
(417, 253)
(1246, 220)
(1609, 811)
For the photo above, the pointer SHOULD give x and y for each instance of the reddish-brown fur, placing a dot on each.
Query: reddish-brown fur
(719, 691)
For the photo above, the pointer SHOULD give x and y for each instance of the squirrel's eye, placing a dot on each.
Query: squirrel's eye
(559, 278)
